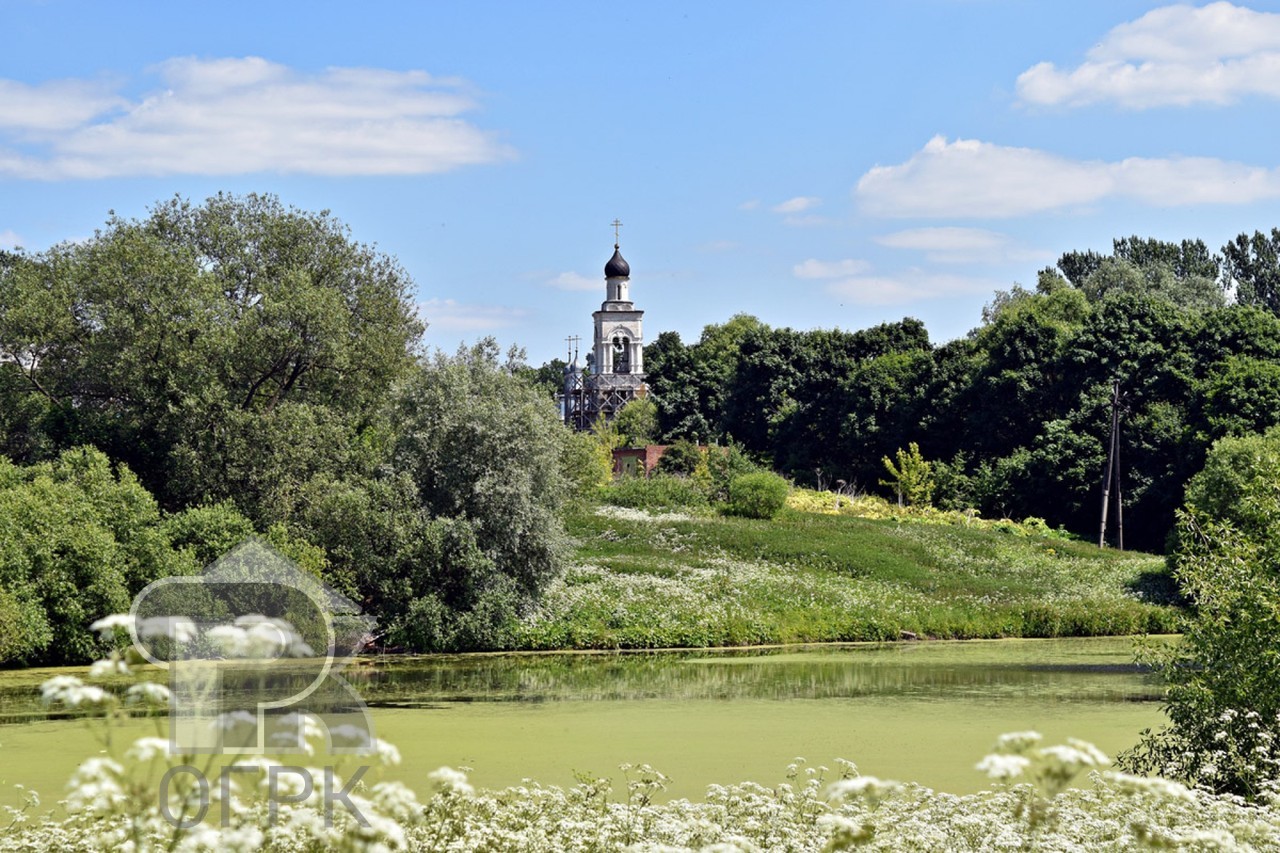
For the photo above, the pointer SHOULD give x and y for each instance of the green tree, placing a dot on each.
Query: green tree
(681, 459)
(482, 446)
(549, 378)
(911, 477)
(1252, 267)
(1221, 695)
(724, 464)
(1155, 278)
(186, 343)
(691, 382)
(78, 537)
(1185, 273)
(1240, 395)
(585, 463)
(637, 422)
(761, 494)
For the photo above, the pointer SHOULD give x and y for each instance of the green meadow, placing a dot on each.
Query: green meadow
(678, 579)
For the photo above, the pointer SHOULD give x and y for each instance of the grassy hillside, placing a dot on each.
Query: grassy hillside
(645, 580)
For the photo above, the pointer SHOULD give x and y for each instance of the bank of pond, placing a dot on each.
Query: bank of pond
(924, 712)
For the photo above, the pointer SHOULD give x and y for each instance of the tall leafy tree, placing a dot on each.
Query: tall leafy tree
(480, 445)
(1252, 267)
(201, 343)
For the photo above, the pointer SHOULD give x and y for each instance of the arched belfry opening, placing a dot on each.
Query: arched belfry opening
(614, 372)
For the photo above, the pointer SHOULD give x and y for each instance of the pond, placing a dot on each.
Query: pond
(925, 712)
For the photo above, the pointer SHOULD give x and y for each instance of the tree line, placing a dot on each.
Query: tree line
(1016, 415)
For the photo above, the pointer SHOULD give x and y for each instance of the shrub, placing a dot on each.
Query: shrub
(758, 495)
(681, 458)
(724, 463)
(78, 537)
(661, 491)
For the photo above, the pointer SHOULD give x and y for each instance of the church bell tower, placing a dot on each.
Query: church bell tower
(615, 366)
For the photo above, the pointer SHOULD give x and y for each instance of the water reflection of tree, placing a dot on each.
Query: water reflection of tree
(729, 675)
(968, 672)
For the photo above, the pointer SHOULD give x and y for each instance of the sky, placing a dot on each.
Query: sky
(815, 164)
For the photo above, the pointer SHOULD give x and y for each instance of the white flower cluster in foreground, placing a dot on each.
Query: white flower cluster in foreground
(111, 809)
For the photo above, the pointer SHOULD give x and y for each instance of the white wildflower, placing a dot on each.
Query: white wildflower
(388, 754)
(72, 692)
(53, 689)
(1156, 786)
(230, 640)
(107, 625)
(447, 780)
(108, 667)
(265, 641)
(1000, 766)
(1017, 741)
(1072, 757)
(861, 787)
(148, 693)
(147, 748)
(398, 801)
(178, 628)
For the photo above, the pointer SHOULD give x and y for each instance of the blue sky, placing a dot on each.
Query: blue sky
(816, 164)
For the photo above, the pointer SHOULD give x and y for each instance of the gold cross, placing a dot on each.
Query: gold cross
(616, 225)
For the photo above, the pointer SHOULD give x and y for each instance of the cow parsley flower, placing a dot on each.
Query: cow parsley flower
(1002, 767)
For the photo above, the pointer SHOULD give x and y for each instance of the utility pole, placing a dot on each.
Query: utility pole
(1113, 473)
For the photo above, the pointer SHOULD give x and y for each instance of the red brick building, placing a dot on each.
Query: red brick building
(632, 461)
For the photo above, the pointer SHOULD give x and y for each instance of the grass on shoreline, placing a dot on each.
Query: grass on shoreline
(645, 580)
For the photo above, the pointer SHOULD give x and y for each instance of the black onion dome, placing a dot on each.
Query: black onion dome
(617, 267)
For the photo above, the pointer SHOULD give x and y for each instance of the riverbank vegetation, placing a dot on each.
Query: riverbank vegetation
(649, 579)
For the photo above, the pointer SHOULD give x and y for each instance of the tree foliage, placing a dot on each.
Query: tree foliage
(226, 350)
(637, 422)
(1023, 401)
(910, 477)
(1252, 267)
(482, 446)
(680, 459)
(1222, 698)
(79, 537)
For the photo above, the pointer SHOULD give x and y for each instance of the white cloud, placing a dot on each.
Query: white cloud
(953, 245)
(974, 179)
(234, 116)
(813, 268)
(912, 285)
(9, 240)
(575, 281)
(57, 105)
(749, 204)
(1174, 55)
(448, 315)
(799, 204)
(850, 280)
